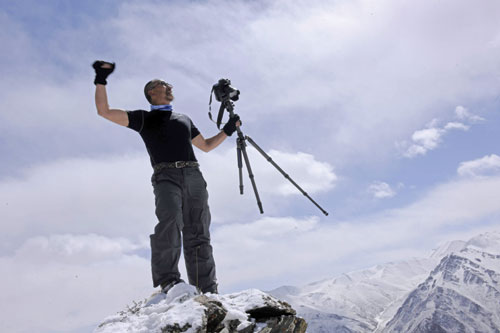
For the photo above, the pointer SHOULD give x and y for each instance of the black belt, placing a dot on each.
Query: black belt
(176, 165)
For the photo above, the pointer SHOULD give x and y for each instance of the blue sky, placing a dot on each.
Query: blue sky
(386, 113)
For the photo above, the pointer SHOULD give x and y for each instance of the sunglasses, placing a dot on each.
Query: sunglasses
(157, 83)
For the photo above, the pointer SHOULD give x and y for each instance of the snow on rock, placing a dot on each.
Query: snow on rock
(447, 248)
(183, 309)
(487, 242)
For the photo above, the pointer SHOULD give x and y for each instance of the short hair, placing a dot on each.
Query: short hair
(153, 84)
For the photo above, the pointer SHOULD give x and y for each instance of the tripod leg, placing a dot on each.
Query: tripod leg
(270, 160)
(250, 174)
(240, 164)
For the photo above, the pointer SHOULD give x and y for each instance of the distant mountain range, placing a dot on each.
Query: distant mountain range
(456, 289)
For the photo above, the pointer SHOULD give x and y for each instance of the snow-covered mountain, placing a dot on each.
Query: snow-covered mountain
(456, 289)
(462, 294)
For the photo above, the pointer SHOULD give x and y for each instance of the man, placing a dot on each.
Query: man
(181, 196)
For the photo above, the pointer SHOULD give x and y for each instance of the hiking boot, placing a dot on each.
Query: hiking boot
(212, 290)
(165, 287)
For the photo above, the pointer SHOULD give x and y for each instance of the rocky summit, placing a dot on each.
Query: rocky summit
(185, 310)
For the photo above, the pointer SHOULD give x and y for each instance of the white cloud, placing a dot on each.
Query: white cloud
(49, 278)
(367, 78)
(73, 249)
(456, 125)
(277, 193)
(274, 251)
(413, 150)
(113, 196)
(304, 169)
(381, 190)
(423, 141)
(482, 167)
(463, 114)
(430, 138)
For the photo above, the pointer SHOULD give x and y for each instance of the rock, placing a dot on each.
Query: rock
(285, 324)
(214, 313)
(249, 311)
(175, 328)
(271, 310)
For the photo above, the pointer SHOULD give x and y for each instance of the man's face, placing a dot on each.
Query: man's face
(161, 94)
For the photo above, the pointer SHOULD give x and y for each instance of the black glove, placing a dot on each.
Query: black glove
(102, 73)
(230, 126)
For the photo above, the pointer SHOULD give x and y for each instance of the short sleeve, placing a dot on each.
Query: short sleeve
(194, 130)
(136, 120)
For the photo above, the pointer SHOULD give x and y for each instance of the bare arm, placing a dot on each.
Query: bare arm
(208, 144)
(117, 116)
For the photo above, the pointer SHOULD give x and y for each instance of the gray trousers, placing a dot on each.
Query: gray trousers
(181, 200)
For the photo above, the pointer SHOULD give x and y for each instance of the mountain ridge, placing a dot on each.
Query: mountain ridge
(375, 299)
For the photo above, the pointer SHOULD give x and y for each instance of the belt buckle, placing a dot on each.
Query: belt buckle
(179, 164)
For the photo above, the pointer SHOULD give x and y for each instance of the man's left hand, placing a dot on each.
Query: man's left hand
(231, 125)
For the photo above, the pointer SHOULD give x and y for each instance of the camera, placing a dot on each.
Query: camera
(223, 91)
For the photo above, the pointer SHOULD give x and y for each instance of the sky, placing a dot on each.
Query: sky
(385, 112)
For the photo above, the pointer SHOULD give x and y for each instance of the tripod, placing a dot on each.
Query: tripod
(241, 150)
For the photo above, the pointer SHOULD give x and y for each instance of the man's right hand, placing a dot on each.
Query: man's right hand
(102, 71)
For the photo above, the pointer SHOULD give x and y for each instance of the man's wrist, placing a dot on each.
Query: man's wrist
(100, 80)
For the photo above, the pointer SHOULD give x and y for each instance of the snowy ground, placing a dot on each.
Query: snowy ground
(181, 308)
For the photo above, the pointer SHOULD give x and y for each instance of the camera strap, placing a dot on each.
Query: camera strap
(221, 111)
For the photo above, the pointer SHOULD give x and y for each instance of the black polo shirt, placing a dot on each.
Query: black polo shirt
(167, 134)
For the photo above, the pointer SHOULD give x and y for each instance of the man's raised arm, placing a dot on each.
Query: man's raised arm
(102, 70)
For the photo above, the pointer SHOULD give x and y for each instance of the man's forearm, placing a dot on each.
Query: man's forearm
(101, 99)
(214, 141)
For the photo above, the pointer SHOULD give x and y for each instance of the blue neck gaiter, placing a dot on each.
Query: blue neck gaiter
(164, 107)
